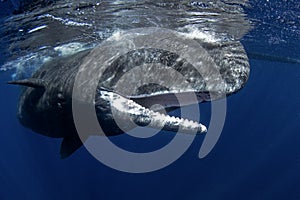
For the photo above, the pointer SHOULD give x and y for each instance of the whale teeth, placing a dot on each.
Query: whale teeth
(126, 109)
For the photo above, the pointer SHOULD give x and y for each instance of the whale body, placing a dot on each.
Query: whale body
(45, 105)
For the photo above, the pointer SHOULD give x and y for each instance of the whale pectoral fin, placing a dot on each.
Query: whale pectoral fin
(30, 82)
(69, 145)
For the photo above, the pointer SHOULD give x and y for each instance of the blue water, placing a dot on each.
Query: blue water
(256, 157)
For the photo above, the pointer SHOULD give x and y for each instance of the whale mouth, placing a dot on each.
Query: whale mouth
(128, 114)
(141, 67)
(136, 109)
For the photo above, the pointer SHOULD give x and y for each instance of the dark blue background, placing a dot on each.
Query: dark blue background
(257, 156)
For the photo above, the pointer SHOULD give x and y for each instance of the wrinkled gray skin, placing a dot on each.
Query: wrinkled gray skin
(46, 102)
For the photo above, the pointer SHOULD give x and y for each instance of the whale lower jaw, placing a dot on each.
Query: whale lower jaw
(129, 114)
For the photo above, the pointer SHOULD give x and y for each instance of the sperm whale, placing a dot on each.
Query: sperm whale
(45, 105)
